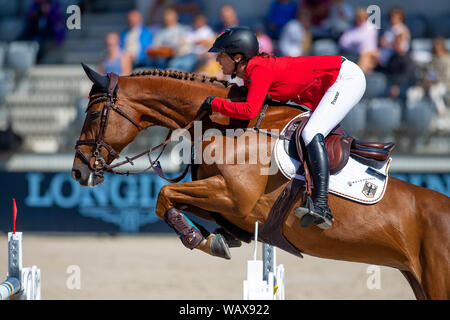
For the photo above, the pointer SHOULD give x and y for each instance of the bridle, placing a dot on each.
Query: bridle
(97, 163)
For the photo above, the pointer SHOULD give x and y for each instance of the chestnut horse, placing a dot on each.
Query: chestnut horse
(408, 229)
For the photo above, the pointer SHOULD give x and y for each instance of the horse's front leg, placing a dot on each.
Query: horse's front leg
(209, 194)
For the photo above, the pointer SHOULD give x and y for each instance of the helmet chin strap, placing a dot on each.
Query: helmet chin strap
(234, 73)
(236, 65)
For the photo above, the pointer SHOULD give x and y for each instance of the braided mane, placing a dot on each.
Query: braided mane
(180, 75)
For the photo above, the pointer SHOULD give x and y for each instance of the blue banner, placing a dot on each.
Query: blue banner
(55, 202)
(439, 182)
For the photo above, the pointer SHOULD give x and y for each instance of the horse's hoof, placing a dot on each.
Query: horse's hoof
(219, 247)
(306, 220)
(231, 241)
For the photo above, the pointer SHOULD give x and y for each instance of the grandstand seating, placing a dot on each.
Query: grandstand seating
(46, 103)
(356, 120)
(325, 47)
(417, 117)
(21, 56)
(384, 116)
(376, 84)
(6, 83)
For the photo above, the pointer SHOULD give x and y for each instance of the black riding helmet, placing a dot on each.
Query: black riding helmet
(237, 40)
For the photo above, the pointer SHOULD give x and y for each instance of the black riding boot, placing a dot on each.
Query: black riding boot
(318, 212)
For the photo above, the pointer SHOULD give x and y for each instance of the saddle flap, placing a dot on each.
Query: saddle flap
(338, 149)
(292, 134)
(298, 138)
(374, 145)
(379, 151)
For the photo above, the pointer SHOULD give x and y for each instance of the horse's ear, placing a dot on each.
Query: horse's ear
(96, 78)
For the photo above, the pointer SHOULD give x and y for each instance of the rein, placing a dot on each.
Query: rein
(97, 163)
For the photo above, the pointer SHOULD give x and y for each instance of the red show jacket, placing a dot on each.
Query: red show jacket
(303, 80)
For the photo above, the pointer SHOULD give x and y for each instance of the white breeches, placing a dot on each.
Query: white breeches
(339, 99)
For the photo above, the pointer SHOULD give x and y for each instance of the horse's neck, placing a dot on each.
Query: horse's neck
(171, 103)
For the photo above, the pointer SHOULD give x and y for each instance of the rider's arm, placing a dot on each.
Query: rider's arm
(259, 83)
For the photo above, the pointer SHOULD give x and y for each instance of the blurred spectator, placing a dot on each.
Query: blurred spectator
(9, 140)
(45, 24)
(440, 64)
(171, 43)
(135, 40)
(295, 39)
(156, 12)
(228, 18)
(186, 9)
(400, 70)
(362, 41)
(436, 81)
(320, 10)
(280, 13)
(264, 41)
(201, 38)
(398, 30)
(340, 18)
(115, 60)
(211, 67)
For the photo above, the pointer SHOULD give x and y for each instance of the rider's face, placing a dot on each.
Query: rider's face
(225, 62)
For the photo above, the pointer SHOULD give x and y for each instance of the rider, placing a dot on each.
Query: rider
(328, 85)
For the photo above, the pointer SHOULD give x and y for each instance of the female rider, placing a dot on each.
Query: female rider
(328, 85)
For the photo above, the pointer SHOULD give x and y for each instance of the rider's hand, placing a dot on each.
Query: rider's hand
(206, 106)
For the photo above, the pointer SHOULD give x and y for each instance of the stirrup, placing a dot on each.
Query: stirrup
(219, 247)
(308, 215)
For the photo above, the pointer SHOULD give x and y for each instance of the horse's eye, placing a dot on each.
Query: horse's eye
(95, 115)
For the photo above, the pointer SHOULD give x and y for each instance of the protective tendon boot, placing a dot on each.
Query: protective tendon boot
(189, 235)
(318, 211)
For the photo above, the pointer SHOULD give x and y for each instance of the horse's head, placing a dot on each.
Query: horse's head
(118, 111)
(109, 127)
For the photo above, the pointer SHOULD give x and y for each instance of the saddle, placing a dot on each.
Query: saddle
(339, 145)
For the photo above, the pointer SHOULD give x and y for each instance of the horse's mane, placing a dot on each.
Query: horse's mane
(181, 76)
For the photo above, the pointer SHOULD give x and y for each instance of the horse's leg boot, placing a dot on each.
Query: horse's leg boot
(189, 234)
(320, 169)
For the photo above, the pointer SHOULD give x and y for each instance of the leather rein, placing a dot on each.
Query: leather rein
(97, 163)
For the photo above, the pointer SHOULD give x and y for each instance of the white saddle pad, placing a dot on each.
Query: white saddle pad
(356, 181)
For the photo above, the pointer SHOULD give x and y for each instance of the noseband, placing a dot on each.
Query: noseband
(97, 163)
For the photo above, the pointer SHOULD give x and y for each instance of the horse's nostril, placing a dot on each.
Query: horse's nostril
(76, 174)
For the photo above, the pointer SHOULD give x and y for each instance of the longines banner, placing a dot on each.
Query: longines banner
(54, 202)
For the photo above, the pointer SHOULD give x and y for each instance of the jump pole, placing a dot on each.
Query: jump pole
(265, 280)
(21, 283)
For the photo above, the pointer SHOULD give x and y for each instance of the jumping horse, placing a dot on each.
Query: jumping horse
(408, 229)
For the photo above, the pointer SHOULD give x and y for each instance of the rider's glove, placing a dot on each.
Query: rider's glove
(206, 105)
